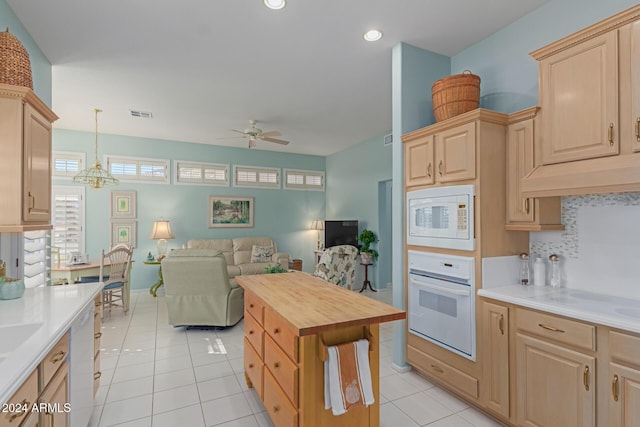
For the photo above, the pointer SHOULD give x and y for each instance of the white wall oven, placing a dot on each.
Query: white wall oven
(441, 217)
(442, 301)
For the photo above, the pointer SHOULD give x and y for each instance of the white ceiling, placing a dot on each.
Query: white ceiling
(203, 67)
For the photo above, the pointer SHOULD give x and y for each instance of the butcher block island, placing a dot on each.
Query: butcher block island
(289, 320)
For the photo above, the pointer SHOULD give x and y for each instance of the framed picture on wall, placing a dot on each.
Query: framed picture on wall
(123, 232)
(123, 204)
(230, 212)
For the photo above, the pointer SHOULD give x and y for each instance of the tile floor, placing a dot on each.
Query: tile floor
(156, 375)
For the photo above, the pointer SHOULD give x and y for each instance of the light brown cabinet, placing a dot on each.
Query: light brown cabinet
(589, 112)
(495, 340)
(624, 377)
(55, 399)
(25, 178)
(21, 402)
(526, 213)
(442, 154)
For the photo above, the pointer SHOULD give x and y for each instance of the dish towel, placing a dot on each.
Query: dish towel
(347, 377)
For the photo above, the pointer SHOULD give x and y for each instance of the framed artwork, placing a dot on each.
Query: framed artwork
(230, 212)
(123, 204)
(123, 232)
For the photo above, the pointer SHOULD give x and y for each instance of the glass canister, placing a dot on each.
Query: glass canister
(555, 279)
(525, 274)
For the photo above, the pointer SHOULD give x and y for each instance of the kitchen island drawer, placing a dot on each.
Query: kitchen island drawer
(559, 329)
(281, 334)
(253, 368)
(282, 368)
(253, 305)
(254, 333)
(624, 347)
(280, 410)
(55, 359)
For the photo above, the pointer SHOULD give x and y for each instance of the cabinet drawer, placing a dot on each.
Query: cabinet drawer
(283, 369)
(450, 375)
(277, 329)
(280, 410)
(25, 397)
(96, 373)
(254, 333)
(253, 367)
(54, 359)
(556, 328)
(254, 306)
(624, 347)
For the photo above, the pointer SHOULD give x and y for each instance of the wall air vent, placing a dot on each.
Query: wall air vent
(388, 139)
(141, 114)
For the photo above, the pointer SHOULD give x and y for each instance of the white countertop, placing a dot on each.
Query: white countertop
(55, 307)
(607, 310)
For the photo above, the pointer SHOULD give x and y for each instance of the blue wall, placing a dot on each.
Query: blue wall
(353, 176)
(40, 66)
(284, 215)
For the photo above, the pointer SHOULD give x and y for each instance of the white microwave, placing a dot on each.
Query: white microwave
(441, 217)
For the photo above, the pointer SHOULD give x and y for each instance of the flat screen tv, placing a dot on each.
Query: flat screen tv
(340, 233)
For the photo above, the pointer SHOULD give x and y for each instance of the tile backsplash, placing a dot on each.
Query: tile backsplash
(600, 246)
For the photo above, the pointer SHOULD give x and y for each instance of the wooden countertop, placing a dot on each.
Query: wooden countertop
(310, 305)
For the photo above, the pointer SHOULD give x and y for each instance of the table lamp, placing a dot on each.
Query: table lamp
(161, 232)
(317, 225)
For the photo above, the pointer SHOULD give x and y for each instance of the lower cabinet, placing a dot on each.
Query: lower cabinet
(624, 374)
(495, 339)
(43, 399)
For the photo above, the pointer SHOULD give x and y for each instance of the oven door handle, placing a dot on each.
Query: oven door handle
(443, 289)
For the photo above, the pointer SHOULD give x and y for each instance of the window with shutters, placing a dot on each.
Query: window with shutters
(200, 173)
(250, 176)
(68, 221)
(303, 180)
(137, 169)
(67, 163)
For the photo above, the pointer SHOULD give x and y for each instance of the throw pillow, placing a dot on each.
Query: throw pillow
(261, 253)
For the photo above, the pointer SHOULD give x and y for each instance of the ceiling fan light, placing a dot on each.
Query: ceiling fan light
(372, 35)
(275, 4)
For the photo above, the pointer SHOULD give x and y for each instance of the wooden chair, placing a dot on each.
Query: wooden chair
(113, 292)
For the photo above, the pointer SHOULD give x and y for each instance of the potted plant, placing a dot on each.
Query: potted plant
(367, 254)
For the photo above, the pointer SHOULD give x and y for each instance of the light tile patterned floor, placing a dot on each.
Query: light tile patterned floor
(156, 375)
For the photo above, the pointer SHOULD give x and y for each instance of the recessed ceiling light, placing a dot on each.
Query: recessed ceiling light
(372, 35)
(275, 4)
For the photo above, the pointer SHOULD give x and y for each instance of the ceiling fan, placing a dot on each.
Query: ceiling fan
(253, 134)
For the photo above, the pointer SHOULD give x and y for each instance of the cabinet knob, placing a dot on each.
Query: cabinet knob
(437, 369)
(585, 378)
(550, 328)
(276, 331)
(276, 365)
(440, 167)
(276, 409)
(610, 134)
(251, 332)
(614, 388)
(250, 305)
(429, 170)
(638, 129)
(97, 335)
(58, 356)
(501, 324)
(250, 365)
(24, 404)
(97, 375)
(526, 205)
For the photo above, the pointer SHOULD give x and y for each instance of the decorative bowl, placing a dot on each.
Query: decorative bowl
(11, 289)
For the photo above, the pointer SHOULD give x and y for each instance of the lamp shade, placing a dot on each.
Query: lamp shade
(161, 230)
(317, 224)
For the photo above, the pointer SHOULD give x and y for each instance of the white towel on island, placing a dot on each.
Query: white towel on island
(347, 377)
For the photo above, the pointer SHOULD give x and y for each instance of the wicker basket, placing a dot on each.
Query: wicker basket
(15, 68)
(455, 95)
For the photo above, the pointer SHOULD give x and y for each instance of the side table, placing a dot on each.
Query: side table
(154, 288)
(366, 279)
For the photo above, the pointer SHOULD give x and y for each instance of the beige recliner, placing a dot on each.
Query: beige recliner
(198, 291)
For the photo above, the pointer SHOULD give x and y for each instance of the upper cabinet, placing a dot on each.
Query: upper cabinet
(589, 118)
(526, 213)
(25, 176)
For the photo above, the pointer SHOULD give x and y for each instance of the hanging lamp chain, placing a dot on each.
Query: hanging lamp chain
(97, 110)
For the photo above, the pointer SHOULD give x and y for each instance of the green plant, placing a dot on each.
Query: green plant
(367, 237)
(270, 269)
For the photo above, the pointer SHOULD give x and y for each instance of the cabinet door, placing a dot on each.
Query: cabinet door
(418, 157)
(556, 386)
(56, 396)
(520, 162)
(624, 410)
(635, 85)
(456, 153)
(579, 96)
(37, 167)
(495, 321)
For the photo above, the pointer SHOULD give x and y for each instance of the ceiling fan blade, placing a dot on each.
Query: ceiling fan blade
(271, 133)
(277, 141)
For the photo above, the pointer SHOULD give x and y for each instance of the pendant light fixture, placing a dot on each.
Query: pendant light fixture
(95, 176)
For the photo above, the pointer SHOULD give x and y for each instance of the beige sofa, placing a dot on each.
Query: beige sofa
(237, 253)
(198, 291)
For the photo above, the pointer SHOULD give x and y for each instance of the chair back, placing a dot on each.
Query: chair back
(119, 261)
(337, 265)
